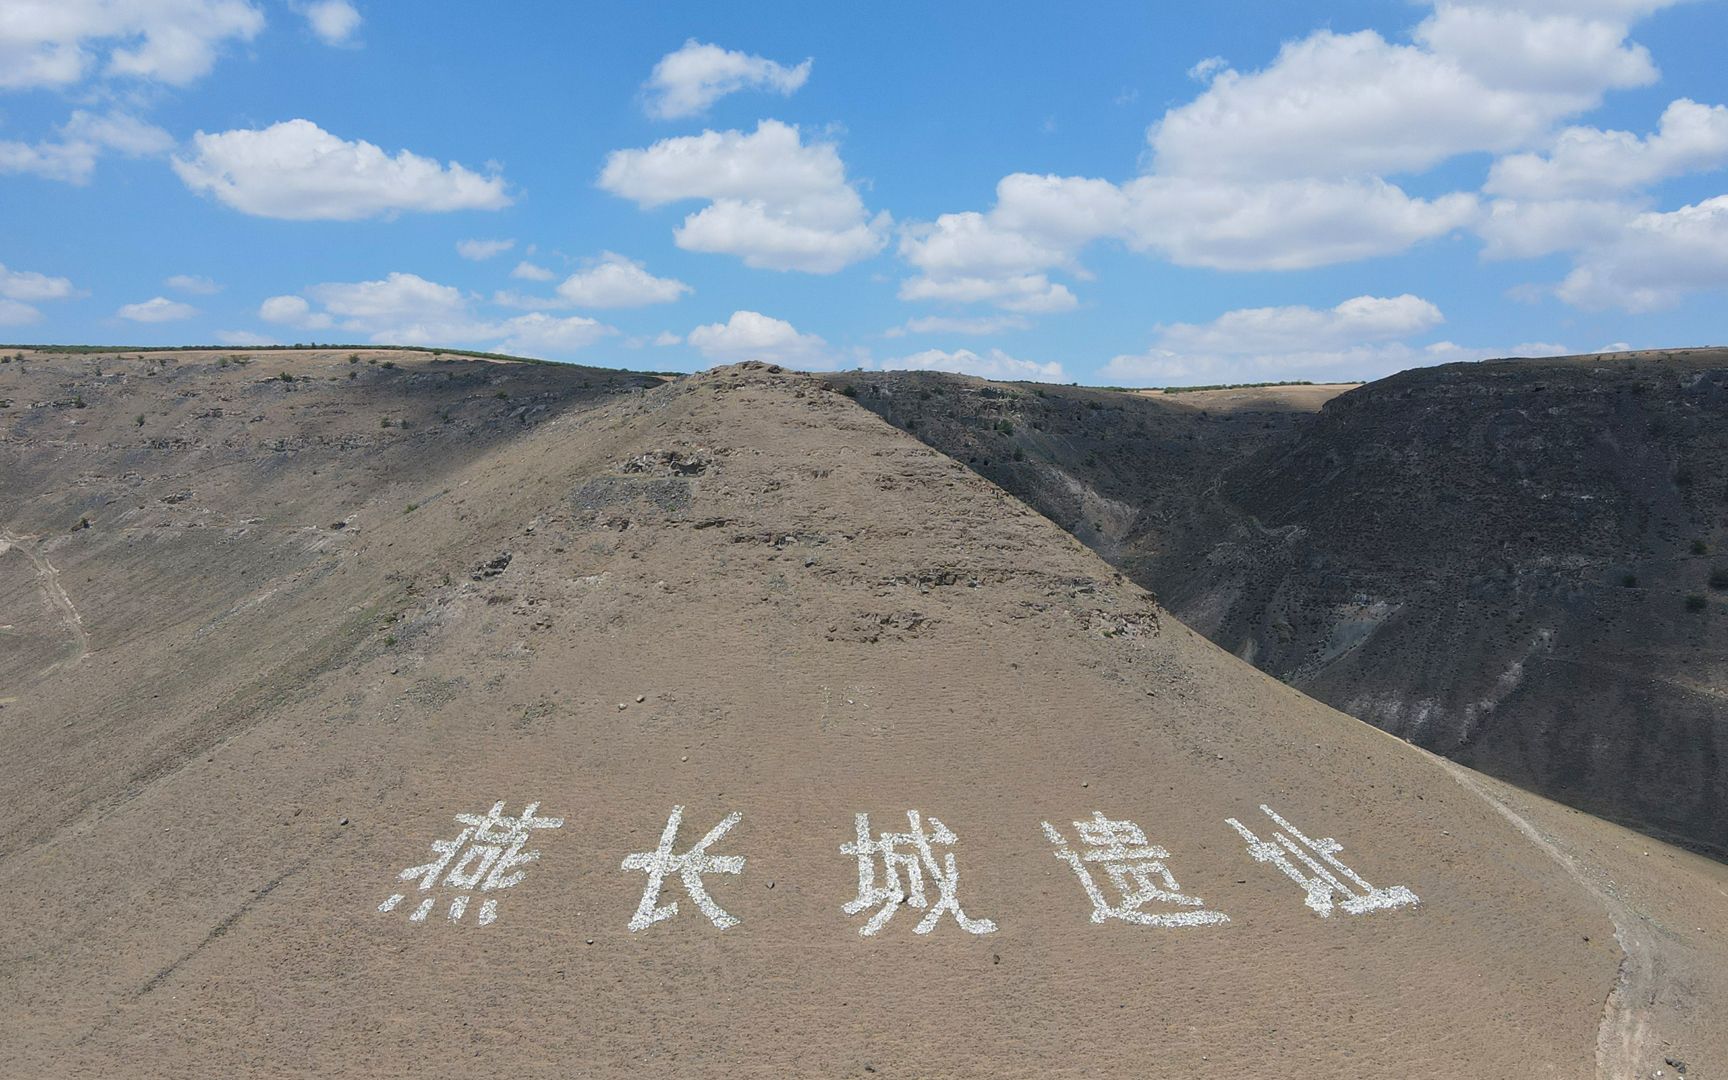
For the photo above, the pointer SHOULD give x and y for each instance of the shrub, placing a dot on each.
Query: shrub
(1719, 578)
(353, 358)
(1629, 581)
(1004, 427)
(849, 390)
(139, 419)
(1699, 547)
(1696, 602)
(285, 377)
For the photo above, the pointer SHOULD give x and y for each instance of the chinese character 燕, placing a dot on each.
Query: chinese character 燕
(484, 858)
(1136, 868)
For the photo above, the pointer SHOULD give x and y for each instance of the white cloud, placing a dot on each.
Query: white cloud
(21, 290)
(196, 284)
(1286, 167)
(481, 250)
(694, 77)
(1479, 77)
(1356, 363)
(1519, 229)
(298, 171)
(773, 201)
(334, 21)
(527, 271)
(1028, 293)
(1361, 338)
(82, 140)
(749, 335)
(243, 337)
(1040, 224)
(947, 324)
(1654, 261)
(156, 310)
(667, 338)
(57, 43)
(1586, 161)
(994, 364)
(540, 333)
(1356, 321)
(15, 313)
(613, 281)
(407, 309)
(32, 286)
(292, 311)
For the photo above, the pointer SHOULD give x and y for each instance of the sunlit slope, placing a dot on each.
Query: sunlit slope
(740, 593)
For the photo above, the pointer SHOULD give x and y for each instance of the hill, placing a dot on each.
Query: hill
(1518, 564)
(244, 738)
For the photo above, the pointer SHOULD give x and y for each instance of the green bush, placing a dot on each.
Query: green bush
(1719, 578)
(1696, 602)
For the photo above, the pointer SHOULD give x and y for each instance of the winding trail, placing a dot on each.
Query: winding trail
(49, 579)
(1623, 1038)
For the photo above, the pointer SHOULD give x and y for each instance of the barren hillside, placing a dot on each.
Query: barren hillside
(295, 698)
(1517, 564)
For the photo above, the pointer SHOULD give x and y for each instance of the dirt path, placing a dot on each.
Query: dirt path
(1623, 1040)
(49, 578)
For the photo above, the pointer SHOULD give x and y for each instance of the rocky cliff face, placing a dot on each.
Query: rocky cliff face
(1519, 564)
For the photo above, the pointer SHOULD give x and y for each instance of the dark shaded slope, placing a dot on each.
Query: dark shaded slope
(1509, 562)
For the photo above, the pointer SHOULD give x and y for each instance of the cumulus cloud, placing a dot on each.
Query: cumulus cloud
(298, 171)
(481, 250)
(688, 81)
(1290, 166)
(58, 43)
(22, 290)
(407, 309)
(196, 284)
(750, 335)
(527, 271)
(1586, 161)
(31, 286)
(1479, 77)
(1363, 337)
(773, 200)
(994, 364)
(613, 281)
(81, 141)
(1654, 261)
(1040, 224)
(292, 311)
(947, 324)
(157, 309)
(17, 313)
(334, 21)
(1356, 321)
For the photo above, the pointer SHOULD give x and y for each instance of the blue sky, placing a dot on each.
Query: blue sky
(1148, 195)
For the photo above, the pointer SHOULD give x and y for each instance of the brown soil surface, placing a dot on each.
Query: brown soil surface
(735, 592)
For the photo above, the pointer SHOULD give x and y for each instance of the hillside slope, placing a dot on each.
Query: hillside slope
(1518, 564)
(736, 593)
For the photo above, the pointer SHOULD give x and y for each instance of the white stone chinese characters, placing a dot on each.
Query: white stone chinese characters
(689, 867)
(1136, 868)
(490, 850)
(905, 872)
(1329, 879)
